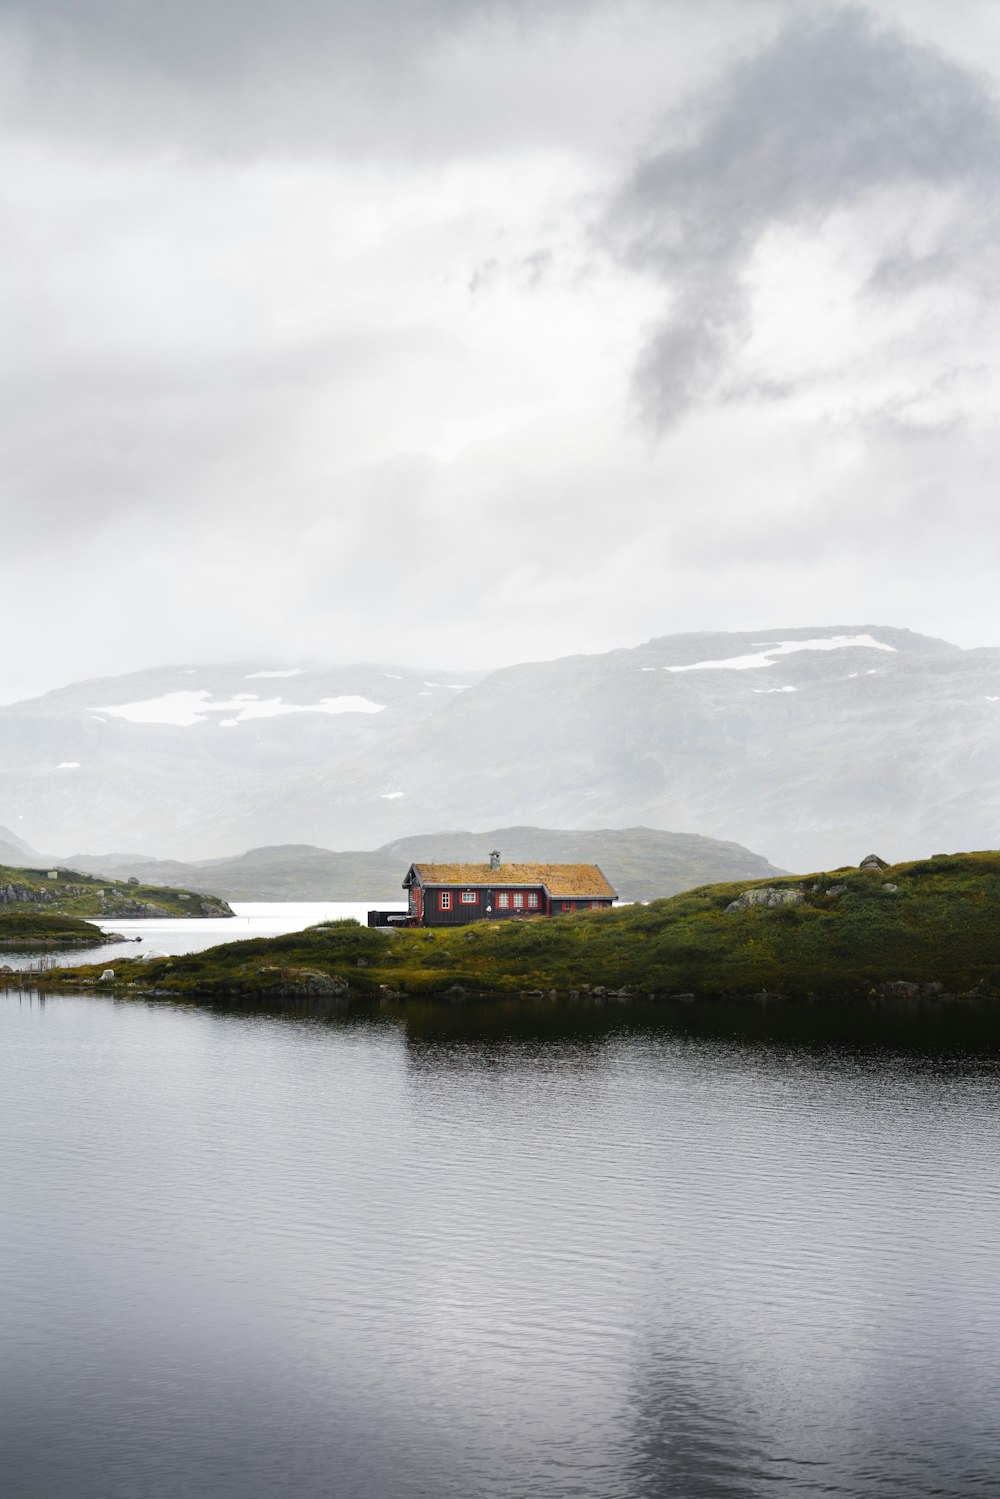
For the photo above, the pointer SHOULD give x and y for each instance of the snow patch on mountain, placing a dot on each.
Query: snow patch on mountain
(183, 709)
(295, 671)
(768, 655)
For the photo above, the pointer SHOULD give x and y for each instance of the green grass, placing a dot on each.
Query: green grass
(28, 928)
(940, 926)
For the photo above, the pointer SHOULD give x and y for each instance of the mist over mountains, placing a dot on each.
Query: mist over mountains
(641, 864)
(811, 746)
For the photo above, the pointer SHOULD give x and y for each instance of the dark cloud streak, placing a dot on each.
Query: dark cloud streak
(835, 108)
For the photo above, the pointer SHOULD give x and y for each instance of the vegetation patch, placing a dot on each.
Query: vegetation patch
(921, 929)
(32, 928)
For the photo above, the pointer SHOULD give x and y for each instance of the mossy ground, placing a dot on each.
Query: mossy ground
(940, 925)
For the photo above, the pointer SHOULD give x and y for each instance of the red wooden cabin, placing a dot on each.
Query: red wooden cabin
(456, 894)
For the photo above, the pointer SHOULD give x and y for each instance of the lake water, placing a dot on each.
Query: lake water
(181, 935)
(496, 1252)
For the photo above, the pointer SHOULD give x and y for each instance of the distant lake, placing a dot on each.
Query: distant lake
(510, 1252)
(180, 935)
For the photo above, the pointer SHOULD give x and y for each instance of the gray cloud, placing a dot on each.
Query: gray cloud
(834, 109)
(230, 78)
(306, 333)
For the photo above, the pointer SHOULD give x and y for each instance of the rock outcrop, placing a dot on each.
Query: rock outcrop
(766, 895)
(16, 894)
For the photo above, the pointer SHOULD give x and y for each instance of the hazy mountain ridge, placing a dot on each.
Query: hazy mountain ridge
(642, 864)
(80, 775)
(813, 745)
(813, 756)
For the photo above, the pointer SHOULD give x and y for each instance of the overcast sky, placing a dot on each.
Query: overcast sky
(458, 333)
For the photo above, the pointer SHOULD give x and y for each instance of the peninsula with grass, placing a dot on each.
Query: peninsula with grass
(27, 930)
(926, 929)
(59, 891)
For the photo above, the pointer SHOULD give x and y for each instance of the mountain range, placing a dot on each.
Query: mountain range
(641, 863)
(812, 745)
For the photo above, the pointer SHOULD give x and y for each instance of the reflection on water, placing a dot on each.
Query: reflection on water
(493, 1251)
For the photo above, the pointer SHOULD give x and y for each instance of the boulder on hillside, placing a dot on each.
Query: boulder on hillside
(872, 861)
(766, 895)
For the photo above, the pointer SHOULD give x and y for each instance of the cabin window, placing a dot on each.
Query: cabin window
(503, 901)
(532, 900)
(469, 897)
(567, 905)
(444, 900)
(518, 899)
(595, 905)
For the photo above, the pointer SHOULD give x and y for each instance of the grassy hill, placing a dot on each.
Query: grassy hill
(72, 892)
(915, 929)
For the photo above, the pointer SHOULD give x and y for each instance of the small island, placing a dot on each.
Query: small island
(922, 930)
(30, 929)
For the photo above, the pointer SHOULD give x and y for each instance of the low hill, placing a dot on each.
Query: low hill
(911, 931)
(641, 863)
(74, 892)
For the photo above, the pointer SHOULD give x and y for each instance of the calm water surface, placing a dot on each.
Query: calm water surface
(172, 935)
(512, 1254)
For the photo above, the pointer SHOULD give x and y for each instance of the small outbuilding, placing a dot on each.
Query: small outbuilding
(457, 894)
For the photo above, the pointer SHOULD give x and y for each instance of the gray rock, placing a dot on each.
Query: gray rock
(890, 889)
(872, 861)
(836, 890)
(904, 990)
(766, 895)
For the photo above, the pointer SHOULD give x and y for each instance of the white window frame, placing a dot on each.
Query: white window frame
(444, 900)
(470, 898)
(518, 900)
(532, 900)
(503, 901)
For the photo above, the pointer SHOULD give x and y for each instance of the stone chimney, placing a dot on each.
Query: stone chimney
(495, 860)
